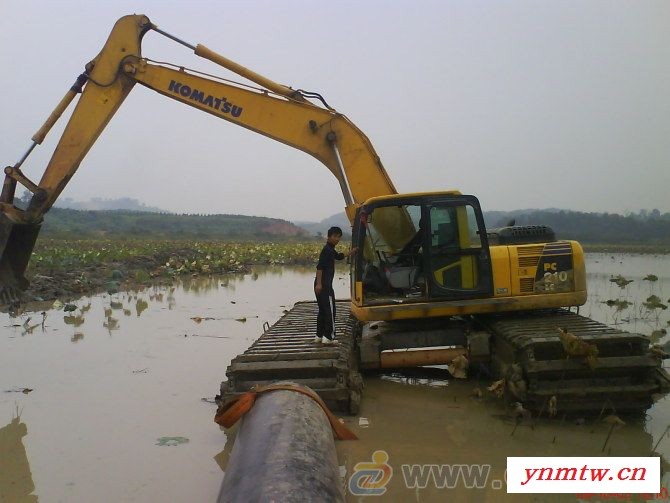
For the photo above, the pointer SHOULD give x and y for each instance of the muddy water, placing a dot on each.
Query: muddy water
(107, 393)
(116, 411)
(430, 419)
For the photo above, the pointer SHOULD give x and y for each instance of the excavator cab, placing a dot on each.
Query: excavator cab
(420, 248)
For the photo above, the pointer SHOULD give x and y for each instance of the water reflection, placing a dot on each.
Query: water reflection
(203, 284)
(437, 377)
(16, 480)
(111, 324)
(140, 306)
(27, 324)
(75, 321)
(171, 301)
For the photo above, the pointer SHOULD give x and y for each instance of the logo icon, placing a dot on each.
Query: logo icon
(370, 479)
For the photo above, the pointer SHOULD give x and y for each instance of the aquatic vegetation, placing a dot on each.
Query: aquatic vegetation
(620, 281)
(618, 303)
(654, 302)
(140, 306)
(166, 257)
(113, 287)
(458, 367)
(552, 407)
(650, 277)
(658, 351)
(574, 346)
(497, 388)
(657, 335)
(171, 441)
(200, 319)
(142, 276)
(62, 268)
(76, 321)
(111, 323)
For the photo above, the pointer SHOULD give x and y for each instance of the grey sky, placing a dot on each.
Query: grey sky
(524, 104)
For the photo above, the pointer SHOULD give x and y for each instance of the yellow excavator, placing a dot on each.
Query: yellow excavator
(422, 255)
(460, 273)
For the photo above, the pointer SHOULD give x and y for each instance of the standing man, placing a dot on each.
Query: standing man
(323, 286)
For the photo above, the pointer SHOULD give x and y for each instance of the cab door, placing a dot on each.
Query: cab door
(458, 258)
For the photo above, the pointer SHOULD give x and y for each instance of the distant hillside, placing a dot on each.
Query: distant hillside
(67, 223)
(321, 228)
(500, 218)
(99, 204)
(642, 228)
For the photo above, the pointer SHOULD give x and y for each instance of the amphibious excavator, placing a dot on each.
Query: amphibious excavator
(429, 279)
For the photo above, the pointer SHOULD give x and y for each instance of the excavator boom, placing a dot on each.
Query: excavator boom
(276, 111)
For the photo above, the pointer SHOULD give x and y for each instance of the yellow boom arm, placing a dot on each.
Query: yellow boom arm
(276, 111)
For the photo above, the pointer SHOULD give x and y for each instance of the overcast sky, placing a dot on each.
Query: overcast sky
(525, 104)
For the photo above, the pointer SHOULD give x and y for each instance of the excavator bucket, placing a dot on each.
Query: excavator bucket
(16, 246)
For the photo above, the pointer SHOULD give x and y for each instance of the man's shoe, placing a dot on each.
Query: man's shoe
(329, 342)
(318, 340)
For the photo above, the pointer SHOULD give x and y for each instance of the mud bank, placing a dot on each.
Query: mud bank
(70, 268)
(108, 277)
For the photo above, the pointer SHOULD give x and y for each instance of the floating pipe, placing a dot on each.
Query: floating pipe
(284, 451)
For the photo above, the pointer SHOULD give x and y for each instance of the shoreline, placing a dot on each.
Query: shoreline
(61, 269)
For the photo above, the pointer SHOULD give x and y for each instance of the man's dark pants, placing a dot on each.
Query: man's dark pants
(325, 320)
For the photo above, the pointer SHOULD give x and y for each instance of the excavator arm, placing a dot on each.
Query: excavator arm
(276, 111)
